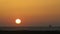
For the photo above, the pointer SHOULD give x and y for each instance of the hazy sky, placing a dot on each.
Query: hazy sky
(31, 12)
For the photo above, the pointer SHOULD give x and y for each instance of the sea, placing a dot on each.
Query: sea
(30, 28)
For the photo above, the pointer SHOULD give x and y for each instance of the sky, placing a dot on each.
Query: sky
(31, 12)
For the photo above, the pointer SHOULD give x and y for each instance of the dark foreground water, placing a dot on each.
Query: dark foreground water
(29, 30)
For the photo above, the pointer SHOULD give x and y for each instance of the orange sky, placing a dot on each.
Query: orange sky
(31, 12)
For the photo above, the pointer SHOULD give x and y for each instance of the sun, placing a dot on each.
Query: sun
(18, 21)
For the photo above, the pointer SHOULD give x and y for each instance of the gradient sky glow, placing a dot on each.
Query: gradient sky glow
(31, 12)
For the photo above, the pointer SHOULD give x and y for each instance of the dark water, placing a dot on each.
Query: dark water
(30, 28)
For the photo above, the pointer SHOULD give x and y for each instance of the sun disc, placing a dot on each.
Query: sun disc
(18, 21)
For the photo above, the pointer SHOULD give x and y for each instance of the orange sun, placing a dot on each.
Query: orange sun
(18, 21)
